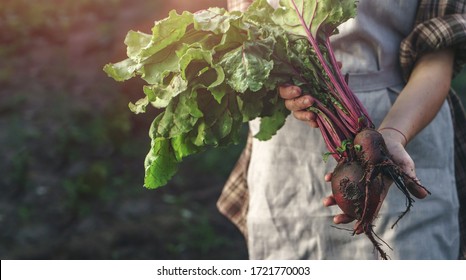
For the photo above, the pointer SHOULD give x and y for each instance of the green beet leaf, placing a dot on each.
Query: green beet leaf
(211, 71)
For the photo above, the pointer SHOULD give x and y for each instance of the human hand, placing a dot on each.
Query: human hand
(395, 143)
(297, 103)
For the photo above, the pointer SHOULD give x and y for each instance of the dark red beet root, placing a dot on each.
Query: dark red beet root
(358, 183)
(353, 195)
(372, 147)
(358, 197)
(348, 188)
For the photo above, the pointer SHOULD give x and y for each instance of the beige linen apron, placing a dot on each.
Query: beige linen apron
(286, 219)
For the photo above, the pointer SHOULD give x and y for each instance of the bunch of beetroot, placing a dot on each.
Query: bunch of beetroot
(209, 72)
(365, 168)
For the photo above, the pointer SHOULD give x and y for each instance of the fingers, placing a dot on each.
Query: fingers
(329, 201)
(298, 103)
(289, 91)
(328, 177)
(294, 99)
(413, 183)
(358, 228)
(415, 188)
(340, 218)
(401, 157)
(306, 116)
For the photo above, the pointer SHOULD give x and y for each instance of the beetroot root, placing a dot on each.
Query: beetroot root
(349, 190)
(358, 198)
(358, 182)
(372, 149)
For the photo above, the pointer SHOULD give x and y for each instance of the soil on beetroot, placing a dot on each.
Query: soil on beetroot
(72, 153)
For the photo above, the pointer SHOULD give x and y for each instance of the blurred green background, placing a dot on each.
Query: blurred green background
(72, 153)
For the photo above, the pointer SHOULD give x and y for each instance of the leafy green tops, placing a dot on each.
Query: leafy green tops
(209, 72)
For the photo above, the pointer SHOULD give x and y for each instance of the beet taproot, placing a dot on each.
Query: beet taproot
(358, 197)
(348, 188)
(359, 183)
(372, 148)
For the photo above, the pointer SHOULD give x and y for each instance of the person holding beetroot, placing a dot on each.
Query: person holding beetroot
(399, 58)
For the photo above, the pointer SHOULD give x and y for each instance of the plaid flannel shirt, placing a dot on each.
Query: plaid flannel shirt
(439, 24)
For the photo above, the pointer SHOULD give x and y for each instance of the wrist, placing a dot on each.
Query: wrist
(393, 134)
